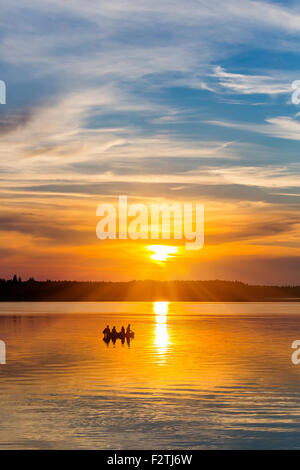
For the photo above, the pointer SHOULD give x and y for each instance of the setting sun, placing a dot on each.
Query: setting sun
(162, 252)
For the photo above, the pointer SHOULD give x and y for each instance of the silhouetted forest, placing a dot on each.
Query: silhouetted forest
(218, 291)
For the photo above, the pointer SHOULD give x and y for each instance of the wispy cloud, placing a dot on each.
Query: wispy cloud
(251, 84)
(281, 127)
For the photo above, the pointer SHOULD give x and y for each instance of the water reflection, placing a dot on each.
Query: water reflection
(114, 340)
(194, 376)
(161, 339)
(161, 311)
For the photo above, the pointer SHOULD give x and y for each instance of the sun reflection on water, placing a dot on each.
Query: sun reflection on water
(161, 340)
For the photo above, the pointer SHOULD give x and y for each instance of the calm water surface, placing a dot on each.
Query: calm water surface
(196, 376)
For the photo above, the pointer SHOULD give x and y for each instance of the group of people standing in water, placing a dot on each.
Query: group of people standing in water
(113, 332)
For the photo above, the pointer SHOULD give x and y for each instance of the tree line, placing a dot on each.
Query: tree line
(16, 289)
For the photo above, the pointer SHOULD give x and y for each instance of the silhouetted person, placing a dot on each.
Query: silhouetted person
(114, 331)
(106, 340)
(123, 331)
(114, 339)
(106, 331)
(128, 331)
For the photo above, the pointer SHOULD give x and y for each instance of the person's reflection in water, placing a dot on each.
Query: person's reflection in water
(113, 340)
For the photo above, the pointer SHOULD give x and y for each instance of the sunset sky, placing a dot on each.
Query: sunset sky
(160, 101)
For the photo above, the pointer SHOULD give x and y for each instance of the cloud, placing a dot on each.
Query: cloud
(131, 39)
(251, 84)
(14, 121)
(259, 12)
(46, 232)
(281, 127)
(164, 188)
(59, 139)
(268, 176)
(260, 230)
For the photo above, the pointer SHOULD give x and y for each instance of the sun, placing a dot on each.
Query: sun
(162, 252)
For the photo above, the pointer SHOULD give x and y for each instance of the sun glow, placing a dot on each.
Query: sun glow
(162, 252)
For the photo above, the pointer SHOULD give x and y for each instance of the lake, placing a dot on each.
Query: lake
(196, 376)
